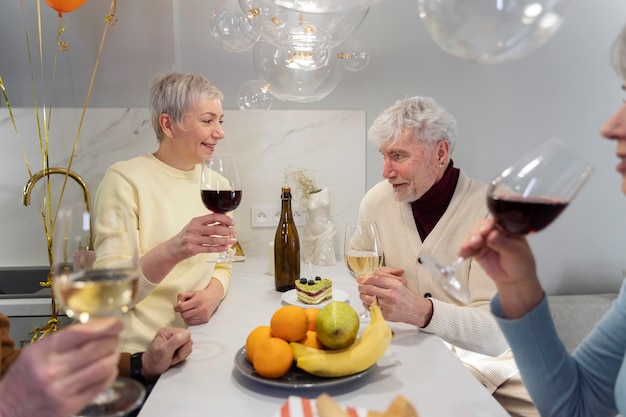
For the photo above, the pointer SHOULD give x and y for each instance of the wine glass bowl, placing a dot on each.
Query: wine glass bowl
(530, 194)
(523, 199)
(220, 190)
(96, 293)
(363, 253)
(89, 286)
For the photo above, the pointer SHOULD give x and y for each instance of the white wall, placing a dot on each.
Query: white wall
(265, 144)
(565, 88)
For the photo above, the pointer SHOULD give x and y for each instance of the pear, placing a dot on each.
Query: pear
(337, 325)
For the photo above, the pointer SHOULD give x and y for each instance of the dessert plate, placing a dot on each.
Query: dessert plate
(290, 297)
(295, 377)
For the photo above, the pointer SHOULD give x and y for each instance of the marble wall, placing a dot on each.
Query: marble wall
(330, 144)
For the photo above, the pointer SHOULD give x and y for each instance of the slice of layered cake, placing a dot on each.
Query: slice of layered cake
(314, 291)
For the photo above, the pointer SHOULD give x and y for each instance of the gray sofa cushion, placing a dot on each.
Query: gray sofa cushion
(575, 315)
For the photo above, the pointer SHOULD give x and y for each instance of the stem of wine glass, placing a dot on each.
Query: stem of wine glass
(451, 269)
(446, 276)
(365, 314)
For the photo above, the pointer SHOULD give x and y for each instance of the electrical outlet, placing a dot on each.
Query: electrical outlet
(268, 216)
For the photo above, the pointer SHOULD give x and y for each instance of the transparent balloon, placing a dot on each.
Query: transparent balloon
(287, 28)
(492, 31)
(324, 6)
(354, 54)
(254, 95)
(289, 82)
(230, 27)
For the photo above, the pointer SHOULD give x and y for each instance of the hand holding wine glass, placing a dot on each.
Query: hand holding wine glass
(90, 287)
(220, 190)
(363, 251)
(523, 199)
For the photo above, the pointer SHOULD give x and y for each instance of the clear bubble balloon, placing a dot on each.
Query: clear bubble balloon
(254, 95)
(286, 28)
(230, 28)
(324, 6)
(354, 54)
(492, 31)
(291, 82)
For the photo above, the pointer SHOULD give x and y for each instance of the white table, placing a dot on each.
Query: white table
(416, 365)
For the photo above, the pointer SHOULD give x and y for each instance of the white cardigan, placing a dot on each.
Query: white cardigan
(470, 331)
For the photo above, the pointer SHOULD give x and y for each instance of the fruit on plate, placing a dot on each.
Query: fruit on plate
(311, 313)
(359, 356)
(254, 339)
(272, 358)
(312, 340)
(289, 323)
(337, 325)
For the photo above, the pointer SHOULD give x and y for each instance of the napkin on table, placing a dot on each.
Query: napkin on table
(305, 407)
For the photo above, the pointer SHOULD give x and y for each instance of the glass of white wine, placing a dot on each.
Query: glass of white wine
(89, 287)
(362, 250)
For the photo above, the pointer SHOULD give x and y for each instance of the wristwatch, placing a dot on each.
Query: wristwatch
(136, 366)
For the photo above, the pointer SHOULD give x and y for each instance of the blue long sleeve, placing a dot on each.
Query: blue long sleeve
(591, 381)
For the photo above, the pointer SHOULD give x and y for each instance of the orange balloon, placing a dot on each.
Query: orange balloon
(65, 6)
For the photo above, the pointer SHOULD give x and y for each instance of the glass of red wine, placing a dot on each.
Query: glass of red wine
(523, 199)
(220, 189)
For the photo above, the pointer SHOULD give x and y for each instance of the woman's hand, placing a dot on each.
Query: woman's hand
(210, 233)
(509, 261)
(506, 258)
(206, 234)
(197, 307)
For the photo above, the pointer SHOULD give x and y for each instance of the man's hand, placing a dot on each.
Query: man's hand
(60, 374)
(396, 301)
(170, 346)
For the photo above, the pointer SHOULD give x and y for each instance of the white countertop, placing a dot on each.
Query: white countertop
(416, 365)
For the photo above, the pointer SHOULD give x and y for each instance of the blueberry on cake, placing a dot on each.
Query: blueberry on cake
(314, 291)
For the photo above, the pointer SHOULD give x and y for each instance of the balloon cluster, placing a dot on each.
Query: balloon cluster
(299, 55)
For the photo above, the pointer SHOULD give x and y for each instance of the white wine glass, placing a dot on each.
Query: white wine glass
(220, 190)
(93, 287)
(523, 199)
(362, 251)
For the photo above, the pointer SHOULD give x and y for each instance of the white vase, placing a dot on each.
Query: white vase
(318, 237)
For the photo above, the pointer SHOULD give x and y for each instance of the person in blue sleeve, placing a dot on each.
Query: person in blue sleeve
(592, 380)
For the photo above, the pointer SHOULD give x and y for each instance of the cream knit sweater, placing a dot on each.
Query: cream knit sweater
(162, 201)
(470, 331)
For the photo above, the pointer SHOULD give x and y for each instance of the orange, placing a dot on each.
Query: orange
(272, 358)
(311, 313)
(289, 323)
(256, 336)
(311, 340)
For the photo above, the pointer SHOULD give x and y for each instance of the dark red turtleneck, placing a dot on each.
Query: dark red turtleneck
(428, 210)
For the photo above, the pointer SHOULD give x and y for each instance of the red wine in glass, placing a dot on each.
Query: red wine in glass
(521, 216)
(220, 190)
(221, 201)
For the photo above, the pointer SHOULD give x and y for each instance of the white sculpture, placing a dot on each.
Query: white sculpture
(318, 237)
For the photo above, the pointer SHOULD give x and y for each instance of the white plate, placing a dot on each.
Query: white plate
(290, 297)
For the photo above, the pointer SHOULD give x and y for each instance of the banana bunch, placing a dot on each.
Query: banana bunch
(359, 356)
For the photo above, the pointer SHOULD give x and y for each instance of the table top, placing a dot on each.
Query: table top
(416, 365)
